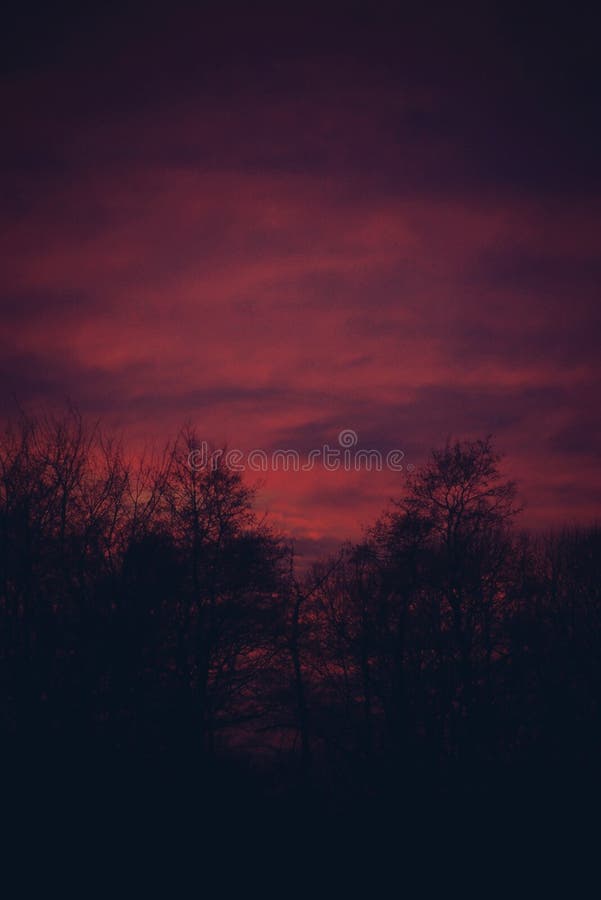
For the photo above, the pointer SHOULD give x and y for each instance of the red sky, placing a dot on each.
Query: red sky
(277, 226)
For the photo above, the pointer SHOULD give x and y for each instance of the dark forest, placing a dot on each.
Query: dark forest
(151, 623)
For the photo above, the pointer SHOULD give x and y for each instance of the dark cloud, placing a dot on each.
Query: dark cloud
(580, 437)
(546, 273)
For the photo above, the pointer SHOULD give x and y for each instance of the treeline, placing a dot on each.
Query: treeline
(146, 611)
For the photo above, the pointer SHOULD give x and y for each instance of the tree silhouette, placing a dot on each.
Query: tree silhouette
(148, 614)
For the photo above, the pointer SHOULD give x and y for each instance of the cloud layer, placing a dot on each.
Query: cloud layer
(280, 240)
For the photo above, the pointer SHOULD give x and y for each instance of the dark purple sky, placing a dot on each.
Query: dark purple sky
(278, 225)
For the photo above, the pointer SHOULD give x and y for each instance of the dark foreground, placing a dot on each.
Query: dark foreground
(166, 674)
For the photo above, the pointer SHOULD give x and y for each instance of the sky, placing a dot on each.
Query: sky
(278, 223)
